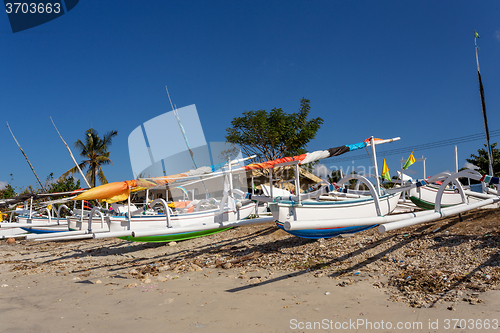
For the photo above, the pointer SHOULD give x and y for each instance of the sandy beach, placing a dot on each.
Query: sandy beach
(436, 277)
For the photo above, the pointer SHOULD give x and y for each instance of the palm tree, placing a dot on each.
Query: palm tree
(95, 150)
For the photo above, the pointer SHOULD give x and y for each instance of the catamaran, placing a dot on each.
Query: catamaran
(159, 220)
(39, 219)
(314, 206)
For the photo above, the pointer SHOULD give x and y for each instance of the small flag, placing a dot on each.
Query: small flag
(409, 161)
(476, 35)
(385, 172)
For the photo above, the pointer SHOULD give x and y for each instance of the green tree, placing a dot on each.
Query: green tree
(29, 190)
(8, 191)
(275, 134)
(66, 184)
(481, 160)
(334, 176)
(95, 150)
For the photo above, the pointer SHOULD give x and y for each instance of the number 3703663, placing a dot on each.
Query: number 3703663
(32, 8)
(480, 324)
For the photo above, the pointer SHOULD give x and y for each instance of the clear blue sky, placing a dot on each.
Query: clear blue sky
(381, 68)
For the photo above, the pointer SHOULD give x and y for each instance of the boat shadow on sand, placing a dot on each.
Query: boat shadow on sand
(444, 242)
(242, 248)
(128, 249)
(346, 256)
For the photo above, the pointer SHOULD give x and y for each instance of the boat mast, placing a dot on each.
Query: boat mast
(374, 157)
(71, 154)
(483, 107)
(185, 137)
(27, 160)
(182, 129)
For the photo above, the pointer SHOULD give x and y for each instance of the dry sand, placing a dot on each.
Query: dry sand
(260, 279)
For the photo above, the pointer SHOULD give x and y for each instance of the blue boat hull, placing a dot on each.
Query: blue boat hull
(42, 231)
(324, 233)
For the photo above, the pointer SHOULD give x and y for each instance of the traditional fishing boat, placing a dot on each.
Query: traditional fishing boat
(123, 218)
(397, 221)
(37, 218)
(150, 224)
(202, 215)
(302, 207)
(286, 211)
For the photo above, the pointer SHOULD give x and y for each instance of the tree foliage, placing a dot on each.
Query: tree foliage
(275, 134)
(66, 184)
(481, 160)
(334, 176)
(7, 192)
(95, 151)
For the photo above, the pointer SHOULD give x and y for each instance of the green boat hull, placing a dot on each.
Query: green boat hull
(173, 237)
(425, 204)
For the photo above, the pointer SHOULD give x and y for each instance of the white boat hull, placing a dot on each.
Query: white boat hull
(286, 211)
(6, 232)
(40, 224)
(213, 216)
(141, 222)
(425, 197)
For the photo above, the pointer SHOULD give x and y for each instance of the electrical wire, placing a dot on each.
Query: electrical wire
(425, 146)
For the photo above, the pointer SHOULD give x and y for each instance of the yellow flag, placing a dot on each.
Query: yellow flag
(409, 161)
(385, 172)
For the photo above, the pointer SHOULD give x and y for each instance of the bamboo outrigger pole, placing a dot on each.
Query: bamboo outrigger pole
(71, 154)
(27, 160)
(483, 107)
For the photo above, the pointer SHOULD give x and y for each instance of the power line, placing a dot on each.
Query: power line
(425, 146)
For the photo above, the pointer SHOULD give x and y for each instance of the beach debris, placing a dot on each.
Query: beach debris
(11, 240)
(197, 325)
(162, 278)
(4, 285)
(194, 268)
(345, 283)
(148, 288)
(167, 301)
(163, 268)
(472, 300)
